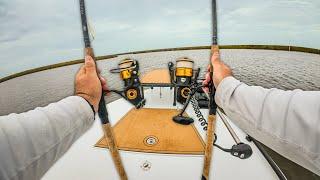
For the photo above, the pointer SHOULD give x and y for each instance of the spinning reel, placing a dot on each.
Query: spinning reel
(129, 73)
(188, 85)
(239, 149)
(182, 77)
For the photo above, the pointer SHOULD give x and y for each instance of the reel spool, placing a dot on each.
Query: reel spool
(129, 73)
(184, 74)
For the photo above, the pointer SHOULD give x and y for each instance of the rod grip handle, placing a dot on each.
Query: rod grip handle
(209, 148)
(88, 51)
(110, 138)
(102, 110)
(215, 49)
(213, 105)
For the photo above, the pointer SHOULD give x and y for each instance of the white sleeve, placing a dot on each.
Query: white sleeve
(286, 121)
(31, 142)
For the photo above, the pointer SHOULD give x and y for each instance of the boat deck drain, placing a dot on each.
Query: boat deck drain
(150, 140)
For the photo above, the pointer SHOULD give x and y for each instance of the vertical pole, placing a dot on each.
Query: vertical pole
(212, 104)
(102, 111)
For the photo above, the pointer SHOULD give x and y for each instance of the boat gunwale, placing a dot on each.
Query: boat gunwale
(105, 57)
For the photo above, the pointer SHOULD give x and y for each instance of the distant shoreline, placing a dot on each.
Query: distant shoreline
(78, 61)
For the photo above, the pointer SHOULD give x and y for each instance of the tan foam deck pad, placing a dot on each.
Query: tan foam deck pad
(152, 130)
(158, 76)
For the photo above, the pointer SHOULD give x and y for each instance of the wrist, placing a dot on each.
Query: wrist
(90, 105)
(217, 82)
(90, 101)
(225, 89)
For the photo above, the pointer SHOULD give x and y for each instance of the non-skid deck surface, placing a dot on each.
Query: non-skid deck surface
(152, 130)
(158, 76)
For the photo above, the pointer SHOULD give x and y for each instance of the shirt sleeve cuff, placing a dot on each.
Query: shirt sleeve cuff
(85, 106)
(225, 90)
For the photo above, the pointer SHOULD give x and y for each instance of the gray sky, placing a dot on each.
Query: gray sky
(41, 32)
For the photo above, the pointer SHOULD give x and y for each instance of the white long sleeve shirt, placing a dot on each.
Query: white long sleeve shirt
(286, 121)
(31, 142)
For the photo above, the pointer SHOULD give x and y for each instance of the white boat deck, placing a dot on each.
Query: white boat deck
(84, 161)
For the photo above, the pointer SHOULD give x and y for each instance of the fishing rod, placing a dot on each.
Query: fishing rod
(102, 111)
(240, 149)
(212, 104)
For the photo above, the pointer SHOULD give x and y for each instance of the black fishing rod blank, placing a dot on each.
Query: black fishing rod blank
(102, 110)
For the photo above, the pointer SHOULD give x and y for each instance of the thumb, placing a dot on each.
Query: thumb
(215, 57)
(90, 65)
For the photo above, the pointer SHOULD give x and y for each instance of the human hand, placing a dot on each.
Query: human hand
(87, 83)
(220, 71)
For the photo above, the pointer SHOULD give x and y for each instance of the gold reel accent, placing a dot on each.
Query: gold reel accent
(125, 74)
(185, 72)
(126, 66)
(132, 94)
(184, 67)
(185, 92)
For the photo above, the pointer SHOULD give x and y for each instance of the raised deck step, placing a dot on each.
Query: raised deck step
(152, 130)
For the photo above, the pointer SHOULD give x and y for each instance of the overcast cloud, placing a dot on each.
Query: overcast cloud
(36, 33)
